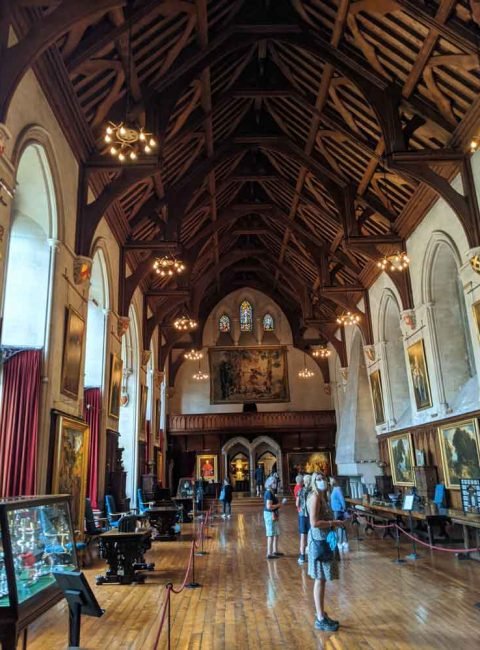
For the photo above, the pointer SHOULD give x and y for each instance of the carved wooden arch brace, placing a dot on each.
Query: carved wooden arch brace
(15, 61)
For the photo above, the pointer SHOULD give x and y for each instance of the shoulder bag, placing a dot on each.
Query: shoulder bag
(321, 550)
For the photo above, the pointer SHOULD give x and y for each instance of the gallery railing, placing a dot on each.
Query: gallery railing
(276, 420)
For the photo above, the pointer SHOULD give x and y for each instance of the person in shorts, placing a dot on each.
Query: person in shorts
(271, 509)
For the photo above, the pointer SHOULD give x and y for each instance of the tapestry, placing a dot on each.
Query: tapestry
(248, 375)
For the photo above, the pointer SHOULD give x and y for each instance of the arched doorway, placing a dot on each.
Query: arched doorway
(235, 450)
(265, 450)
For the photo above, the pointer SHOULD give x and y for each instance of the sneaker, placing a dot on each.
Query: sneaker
(326, 625)
(229, 516)
(326, 617)
(224, 516)
(345, 546)
(271, 557)
(301, 559)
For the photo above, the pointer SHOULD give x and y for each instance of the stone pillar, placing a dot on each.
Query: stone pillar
(251, 456)
(258, 330)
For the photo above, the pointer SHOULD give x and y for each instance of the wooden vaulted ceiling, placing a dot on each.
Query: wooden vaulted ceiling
(299, 139)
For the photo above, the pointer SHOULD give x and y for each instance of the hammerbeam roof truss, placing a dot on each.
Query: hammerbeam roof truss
(270, 141)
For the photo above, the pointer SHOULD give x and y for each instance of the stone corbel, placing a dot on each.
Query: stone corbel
(408, 322)
(370, 353)
(327, 389)
(158, 378)
(146, 354)
(344, 376)
(122, 325)
(82, 269)
(473, 256)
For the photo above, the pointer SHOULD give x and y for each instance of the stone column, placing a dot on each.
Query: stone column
(252, 471)
(258, 330)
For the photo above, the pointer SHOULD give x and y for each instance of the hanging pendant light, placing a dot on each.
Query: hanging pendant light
(305, 373)
(193, 355)
(184, 323)
(200, 375)
(347, 318)
(321, 352)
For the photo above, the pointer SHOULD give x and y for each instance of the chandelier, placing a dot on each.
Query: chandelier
(200, 375)
(184, 323)
(127, 142)
(347, 318)
(396, 262)
(305, 373)
(168, 265)
(193, 355)
(322, 352)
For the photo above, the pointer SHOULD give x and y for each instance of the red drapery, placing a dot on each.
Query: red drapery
(92, 400)
(19, 413)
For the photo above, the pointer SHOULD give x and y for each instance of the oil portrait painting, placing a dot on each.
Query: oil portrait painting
(401, 459)
(72, 352)
(377, 397)
(419, 374)
(459, 446)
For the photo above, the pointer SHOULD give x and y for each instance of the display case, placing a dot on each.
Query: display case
(36, 539)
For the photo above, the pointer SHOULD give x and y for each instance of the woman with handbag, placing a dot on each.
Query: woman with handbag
(322, 561)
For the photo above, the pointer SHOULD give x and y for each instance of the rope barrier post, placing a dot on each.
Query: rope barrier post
(398, 560)
(193, 584)
(201, 551)
(413, 555)
(169, 618)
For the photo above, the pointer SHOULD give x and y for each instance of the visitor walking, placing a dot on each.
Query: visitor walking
(303, 517)
(271, 515)
(322, 561)
(339, 507)
(226, 495)
(259, 479)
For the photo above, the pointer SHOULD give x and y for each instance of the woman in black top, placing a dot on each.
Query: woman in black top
(227, 498)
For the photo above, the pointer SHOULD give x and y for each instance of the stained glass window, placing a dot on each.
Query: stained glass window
(268, 323)
(246, 317)
(224, 323)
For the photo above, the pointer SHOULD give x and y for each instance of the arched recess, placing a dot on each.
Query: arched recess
(442, 288)
(357, 440)
(395, 383)
(231, 448)
(98, 304)
(129, 412)
(30, 263)
(259, 446)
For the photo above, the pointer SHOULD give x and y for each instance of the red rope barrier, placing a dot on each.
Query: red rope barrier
(162, 620)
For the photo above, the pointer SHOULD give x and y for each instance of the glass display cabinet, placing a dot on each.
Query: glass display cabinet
(36, 538)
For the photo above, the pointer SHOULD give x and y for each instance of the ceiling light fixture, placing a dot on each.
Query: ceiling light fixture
(475, 143)
(321, 352)
(397, 262)
(193, 355)
(200, 375)
(347, 318)
(305, 373)
(168, 266)
(184, 323)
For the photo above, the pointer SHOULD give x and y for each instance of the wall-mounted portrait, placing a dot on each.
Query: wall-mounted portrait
(307, 462)
(158, 424)
(419, 375)
(72, 352)
(476, 315)
(248, 375)
(377, 397)
(400, 449)
(70, 462)
(206, 467)
(143, 411)
(460, 449)
(116, 368)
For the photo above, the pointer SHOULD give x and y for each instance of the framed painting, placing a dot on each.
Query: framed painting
(143, 411)
(160, 467)
(308, 462)
(72, 352)
(158, 414)
(419, 375)
(248, 375)
(460, 450)
(70, 463)
(116, 368)
(400, 449)
(377, 397)
(476, 315)
(207, 467)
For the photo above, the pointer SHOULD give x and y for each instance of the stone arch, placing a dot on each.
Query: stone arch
(100, 246)
(395, 379)
(98, 304)
(450, 334)
(275, 448)
(237, 442)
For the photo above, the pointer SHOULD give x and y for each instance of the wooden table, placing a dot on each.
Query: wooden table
(162, 519)
(394, 514)
(468, 520)
(124, 553)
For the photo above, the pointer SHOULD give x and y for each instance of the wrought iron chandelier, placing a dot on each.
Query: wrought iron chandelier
(305, 373)
(193, 355)
(397, 262)
(200, 375)
(126, 141)
(321, 352)
(168, 265)
(347, 318)
(184, 323)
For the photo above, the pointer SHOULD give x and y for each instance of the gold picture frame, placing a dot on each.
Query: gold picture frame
(72, 352)
(377, 397)
(115, 388)
(70, 464)
(400, 451)
(419, 375)
(460, 451)
(143, 412)
(476, 315)
(206, 467)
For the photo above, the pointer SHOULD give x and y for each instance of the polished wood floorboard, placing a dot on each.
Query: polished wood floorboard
(248, 602)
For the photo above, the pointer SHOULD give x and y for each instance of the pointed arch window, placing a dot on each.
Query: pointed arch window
(246, 316)
(224, 324)
(268, 323)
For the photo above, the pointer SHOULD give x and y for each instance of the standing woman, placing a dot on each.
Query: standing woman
(303, 517)
(227, 491)
(321, 522)
(338, 505)
(271, 509)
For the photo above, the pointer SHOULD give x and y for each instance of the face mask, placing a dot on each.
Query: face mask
(321, 484)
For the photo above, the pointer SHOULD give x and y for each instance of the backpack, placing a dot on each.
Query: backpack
(302, 502)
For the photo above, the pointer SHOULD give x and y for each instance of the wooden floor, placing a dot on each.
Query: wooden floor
(249, 602)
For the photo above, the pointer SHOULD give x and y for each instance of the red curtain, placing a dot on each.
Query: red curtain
(92, 409)
(19, 415)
